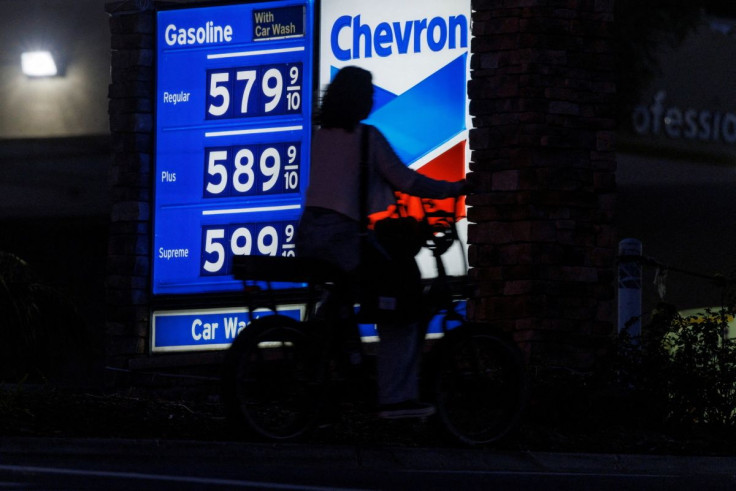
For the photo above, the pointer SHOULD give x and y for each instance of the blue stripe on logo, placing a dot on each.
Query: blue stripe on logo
(427, 115)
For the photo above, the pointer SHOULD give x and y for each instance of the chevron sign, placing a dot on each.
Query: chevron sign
(418, 52)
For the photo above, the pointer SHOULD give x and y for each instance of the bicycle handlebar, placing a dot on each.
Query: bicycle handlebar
(442, 229)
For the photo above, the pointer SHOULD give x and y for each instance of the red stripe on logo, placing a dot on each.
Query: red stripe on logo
(449, 166)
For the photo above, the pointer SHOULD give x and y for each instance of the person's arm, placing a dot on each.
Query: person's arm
(407, 180)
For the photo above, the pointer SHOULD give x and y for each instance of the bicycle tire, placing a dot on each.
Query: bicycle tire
(480, 385)
(270, 380)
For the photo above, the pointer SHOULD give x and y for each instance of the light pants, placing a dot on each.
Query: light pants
(335, 238)
(399, 351)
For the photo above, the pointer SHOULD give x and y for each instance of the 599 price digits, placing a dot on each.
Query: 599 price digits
(221, 243)
(254, 91)
(252, 170)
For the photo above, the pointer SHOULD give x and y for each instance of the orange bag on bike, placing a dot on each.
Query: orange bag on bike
(401, 236)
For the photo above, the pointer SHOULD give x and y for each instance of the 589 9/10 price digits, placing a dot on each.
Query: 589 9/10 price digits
(267, 90)
(221, 243)
(248, 170)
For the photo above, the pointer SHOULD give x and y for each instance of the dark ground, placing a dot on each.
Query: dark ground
(196, 414)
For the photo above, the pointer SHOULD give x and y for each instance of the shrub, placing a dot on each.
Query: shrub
(40, 328)
(684, 368)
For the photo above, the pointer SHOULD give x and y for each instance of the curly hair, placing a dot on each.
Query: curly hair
(348, 99)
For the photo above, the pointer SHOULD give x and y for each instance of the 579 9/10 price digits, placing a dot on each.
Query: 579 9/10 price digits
(221, 243)
(267, 90)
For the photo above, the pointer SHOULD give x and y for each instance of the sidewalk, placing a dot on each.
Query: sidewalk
(385, 458)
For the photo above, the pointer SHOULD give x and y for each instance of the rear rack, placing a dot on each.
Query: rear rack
(286, 269)
(314, 274)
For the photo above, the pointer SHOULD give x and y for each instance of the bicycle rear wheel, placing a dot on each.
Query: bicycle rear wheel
(481, 385)
(270, 379)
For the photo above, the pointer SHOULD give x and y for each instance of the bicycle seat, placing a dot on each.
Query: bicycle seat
(288, 269)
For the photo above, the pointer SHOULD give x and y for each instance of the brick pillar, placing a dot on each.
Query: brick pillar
(131, 121)
(542, 242)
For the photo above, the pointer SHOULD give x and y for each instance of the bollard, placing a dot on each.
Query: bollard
(629, 287)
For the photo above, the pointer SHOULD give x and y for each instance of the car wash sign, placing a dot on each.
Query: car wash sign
(206, 329)
(418, 52)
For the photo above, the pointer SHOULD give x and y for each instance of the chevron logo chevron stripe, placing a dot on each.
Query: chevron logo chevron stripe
(425, 116)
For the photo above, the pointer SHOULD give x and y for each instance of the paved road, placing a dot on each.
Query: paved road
(63, 464)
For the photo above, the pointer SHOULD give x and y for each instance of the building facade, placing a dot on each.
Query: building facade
(676, 170)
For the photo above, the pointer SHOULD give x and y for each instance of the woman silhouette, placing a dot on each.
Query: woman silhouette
(332, 223)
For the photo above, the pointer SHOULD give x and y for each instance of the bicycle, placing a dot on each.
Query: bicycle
(279, 371)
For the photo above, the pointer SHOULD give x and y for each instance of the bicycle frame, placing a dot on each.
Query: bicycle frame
(474, 369)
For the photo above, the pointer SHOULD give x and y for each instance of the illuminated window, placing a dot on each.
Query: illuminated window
(38, 64)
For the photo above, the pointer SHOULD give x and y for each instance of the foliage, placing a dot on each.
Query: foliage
(685, 368)
(39, 327)
(641, 29)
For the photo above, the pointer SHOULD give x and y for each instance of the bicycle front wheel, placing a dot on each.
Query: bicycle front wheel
(481, 385)
(269, 379)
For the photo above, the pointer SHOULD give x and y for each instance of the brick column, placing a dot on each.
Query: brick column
(542, 242)
(131, 121)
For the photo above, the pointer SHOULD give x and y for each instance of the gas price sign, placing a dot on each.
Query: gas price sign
(233, 116)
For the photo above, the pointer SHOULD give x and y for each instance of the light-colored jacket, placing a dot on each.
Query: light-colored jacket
(334, 181)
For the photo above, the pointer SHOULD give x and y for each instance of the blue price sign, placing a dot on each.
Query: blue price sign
(233, 126)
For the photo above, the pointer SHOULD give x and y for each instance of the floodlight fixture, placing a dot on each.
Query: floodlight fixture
(38, 64)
